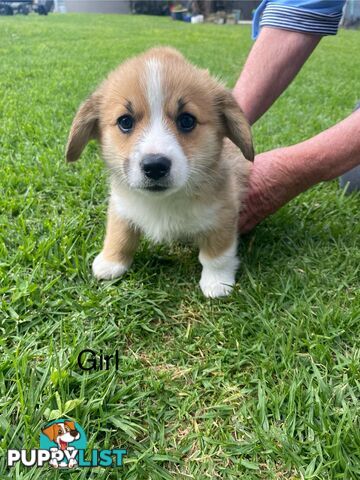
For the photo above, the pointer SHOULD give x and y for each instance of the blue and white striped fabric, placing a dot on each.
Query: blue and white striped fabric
(317, 17)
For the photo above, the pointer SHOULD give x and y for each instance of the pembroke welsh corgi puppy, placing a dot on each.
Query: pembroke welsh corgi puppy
(161, 123)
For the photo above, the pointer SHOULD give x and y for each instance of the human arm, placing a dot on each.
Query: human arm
(273, 62)
(282, 174)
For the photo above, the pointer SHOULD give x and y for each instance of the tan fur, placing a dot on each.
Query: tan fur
(229, 194)
(121, 239)
(224, 168)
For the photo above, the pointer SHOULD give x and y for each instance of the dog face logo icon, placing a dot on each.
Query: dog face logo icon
(62, 433)
(63, 438)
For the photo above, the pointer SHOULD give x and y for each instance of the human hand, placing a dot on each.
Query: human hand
(272, 183)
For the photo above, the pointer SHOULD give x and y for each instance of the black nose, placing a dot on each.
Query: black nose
(156, 166)
(73, 433)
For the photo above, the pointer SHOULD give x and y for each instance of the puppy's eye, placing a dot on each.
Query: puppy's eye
(125, 123)
(186, 122)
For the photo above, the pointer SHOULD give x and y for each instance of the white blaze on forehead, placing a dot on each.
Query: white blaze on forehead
(157, 137)
(154, 88)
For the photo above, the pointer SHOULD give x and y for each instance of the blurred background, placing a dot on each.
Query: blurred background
(195, 11)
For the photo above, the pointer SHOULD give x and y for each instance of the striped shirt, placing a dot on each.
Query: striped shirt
(317, 17)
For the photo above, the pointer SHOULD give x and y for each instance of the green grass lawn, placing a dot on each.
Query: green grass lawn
(261, 385)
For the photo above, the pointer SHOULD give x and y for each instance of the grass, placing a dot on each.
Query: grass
(261, 385)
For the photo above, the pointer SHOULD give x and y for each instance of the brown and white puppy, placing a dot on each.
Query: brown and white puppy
(162, 123)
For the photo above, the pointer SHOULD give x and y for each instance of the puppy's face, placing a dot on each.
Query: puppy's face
(160, 122)
(62, 433)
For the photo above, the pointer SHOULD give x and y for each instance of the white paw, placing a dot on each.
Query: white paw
(54, 463)
(213, 286)
(106, 270)
(72, 463)
(218, 274)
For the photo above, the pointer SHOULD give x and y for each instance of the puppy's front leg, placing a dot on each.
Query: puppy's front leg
(121, 241)
(219, 261)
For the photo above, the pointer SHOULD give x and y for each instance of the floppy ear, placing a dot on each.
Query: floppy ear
(237, 128)
(70, 424)
(50, 432)
(85, 127)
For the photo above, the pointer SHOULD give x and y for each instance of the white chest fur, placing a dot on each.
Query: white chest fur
(164, 219)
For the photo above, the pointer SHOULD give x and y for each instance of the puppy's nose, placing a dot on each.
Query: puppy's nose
(73, 433)
(156, 166)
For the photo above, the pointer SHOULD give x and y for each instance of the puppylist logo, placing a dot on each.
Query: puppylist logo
(62, 445)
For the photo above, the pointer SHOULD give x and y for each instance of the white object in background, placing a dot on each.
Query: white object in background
(197, 19)
(59, 6)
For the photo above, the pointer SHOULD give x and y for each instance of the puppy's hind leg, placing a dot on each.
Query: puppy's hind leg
(219, 261)
(121, 241)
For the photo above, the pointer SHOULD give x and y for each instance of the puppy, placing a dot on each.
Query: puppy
(162, 125)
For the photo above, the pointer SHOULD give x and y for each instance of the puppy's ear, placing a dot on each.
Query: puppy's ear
(50, 432)
(237, 128)
(85, 127)
(70, 424)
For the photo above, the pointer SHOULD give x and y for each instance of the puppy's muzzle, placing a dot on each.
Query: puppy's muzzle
(155, 166)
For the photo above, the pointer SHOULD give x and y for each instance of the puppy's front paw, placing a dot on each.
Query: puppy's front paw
(54, 463)
(218, 274)
(214, 286)
(106, 269)
(72, 463)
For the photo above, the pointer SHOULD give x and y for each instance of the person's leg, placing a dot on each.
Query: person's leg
(351, 179)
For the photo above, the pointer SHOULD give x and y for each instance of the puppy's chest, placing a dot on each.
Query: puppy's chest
(166, 220)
